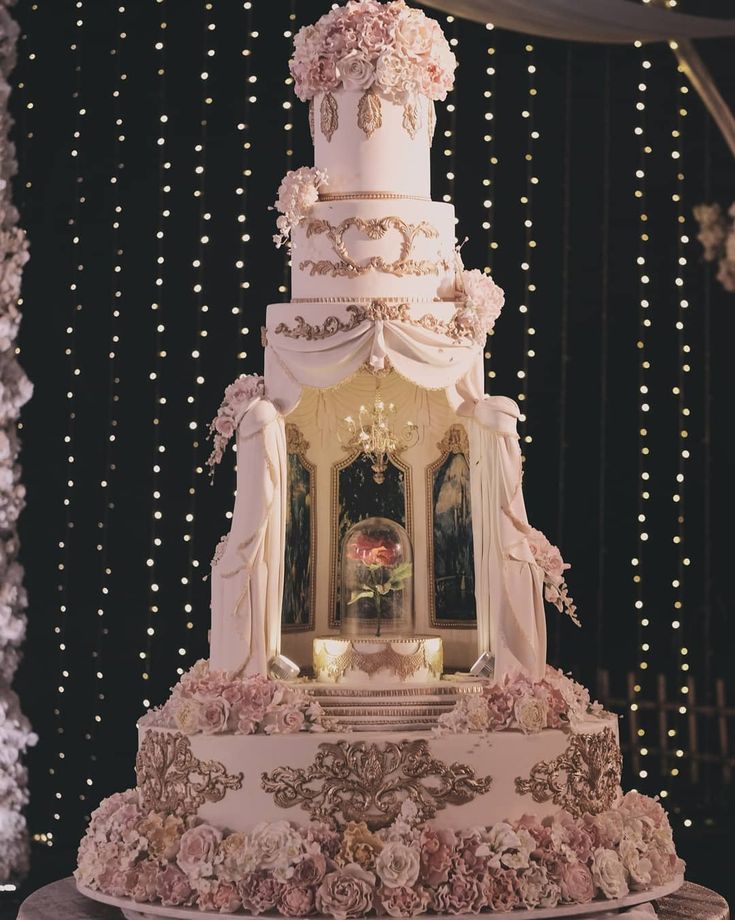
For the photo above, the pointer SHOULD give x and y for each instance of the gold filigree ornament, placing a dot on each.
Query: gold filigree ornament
(411, 119)
(374, 228)
(332, 665)
(171, 779)
(584, 779)
(369, 782)
(328, 116)
(369, 113)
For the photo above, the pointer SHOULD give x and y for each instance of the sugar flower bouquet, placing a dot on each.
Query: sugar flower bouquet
(717, 236)
(237, 399)
(370, 46)
(481, 304)
(297, 195)
(403, 870)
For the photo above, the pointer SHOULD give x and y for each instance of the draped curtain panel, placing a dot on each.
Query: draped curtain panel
(612, 22)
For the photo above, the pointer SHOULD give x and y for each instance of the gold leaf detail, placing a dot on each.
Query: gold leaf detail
(411, 119)
(335, 666)
(374, 228)
(431, 124)
(584, 779)
(369, 782)
(369, 113)
(312, 129)
(171, 779)
(328, 116)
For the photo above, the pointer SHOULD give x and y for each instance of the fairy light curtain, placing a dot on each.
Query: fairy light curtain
(153, 263)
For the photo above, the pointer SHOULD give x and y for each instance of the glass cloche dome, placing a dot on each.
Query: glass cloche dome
(377, 580)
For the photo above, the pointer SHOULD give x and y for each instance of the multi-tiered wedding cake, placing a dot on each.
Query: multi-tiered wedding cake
(376, 729)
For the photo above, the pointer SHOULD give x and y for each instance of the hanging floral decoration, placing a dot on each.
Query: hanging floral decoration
(717, 236)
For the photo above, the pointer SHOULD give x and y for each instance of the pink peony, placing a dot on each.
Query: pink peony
(140, 881)
(403, 902)
(295, 901)
(173, 888)
(642, 806)
(198, 850)
(346, 893)
(460, 894)
(500, 889)
(500, 707)
(437, 846)
(259, 892)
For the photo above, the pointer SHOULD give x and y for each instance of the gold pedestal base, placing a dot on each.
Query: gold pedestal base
(389, 659)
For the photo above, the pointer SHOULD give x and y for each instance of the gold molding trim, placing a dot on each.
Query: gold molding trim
(333, 666)
(455, 441)
(449, 688)
(369, 300)
(380, 196)
(297, 444)
(328, 116)
(369, 782)
(584, 779)
(334, 529)
(375, 228)
(171, 779)
(369, 113)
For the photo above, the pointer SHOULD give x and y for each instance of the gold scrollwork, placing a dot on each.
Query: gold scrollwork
(375, 229)
(369, 782)
(328, 116)
(171, 779)
(584, 779)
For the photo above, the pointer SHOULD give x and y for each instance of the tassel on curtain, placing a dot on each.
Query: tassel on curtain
(15, 390)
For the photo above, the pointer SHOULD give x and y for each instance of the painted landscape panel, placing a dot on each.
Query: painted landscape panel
(297, 612)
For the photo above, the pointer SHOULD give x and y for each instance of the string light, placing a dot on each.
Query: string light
(450, 132)
(110, 466)
(246, 133)
(202, 310)
(288, 109)
(63, 784)
(27, 105)
(683, 416)
(644, 398)
(159, 351)
(529, 286)
(488, 182)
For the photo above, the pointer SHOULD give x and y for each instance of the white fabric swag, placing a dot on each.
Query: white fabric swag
(612, 22)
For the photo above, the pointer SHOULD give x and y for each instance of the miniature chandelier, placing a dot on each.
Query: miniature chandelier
(372, 433)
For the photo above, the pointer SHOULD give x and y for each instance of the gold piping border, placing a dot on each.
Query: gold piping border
(378, 196)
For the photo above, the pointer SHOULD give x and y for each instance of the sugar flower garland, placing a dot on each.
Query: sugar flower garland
(403, 870)
(15, 390)
(365, 45)
(717, 236)
(297, 195)
(237, 400)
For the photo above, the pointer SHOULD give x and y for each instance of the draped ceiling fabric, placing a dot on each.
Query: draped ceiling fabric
(612, 22)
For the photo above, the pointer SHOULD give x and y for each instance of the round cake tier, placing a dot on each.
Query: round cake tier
(375, 247)
(378, 660)
(366, 143)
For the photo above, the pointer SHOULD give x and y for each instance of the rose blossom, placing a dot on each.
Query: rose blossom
(346, 893)
(234, 858)
(218, 896)
(259, 892)
(437, 844)
(531, 714)
(460, 894)
(536, 889)
(609, 828)
(140, 881)
(187, 715)
(224, 424)
(500, 888)
(284, 720)
(355, 71)
(397, 865)
(414, 34)
(389, 71)
(637, 865)
(309, 870)
(507, 847)
(198, 850)
(163, 834)
(404, 902)
(608, 873)
(276, 846)
(172, 887)
(577, 886)
(295, 901)
(213, 716)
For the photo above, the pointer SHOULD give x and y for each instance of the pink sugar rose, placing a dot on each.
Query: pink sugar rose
(437, 846)
(224, 424)
(460, 894)
(320, 836)
(259, 892)
(500, 707)
(574, 839)
(609, 874)
(198, 850)
(346, 893)
(295, 901)
(284, 720)
(173, 888)
(403, 902)
(213, 716)
(355, 71)
(309, 870)
(226, 898)
(500, 889)
(576, 883)
(609, 828)
(643, 806)
(373, 35)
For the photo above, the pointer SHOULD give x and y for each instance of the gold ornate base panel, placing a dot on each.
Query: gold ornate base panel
(375, 660)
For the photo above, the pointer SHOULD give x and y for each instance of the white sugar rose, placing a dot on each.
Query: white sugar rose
(608, 873)
(638, 867)
(414, 33)
(198, 851)
(276, 846)
(507, 848)
(355, 71)
(389, 73)
(187, 716)
(397, 865)
(531, 714)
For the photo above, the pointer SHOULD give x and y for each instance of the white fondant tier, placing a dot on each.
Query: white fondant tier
(375, 247)
(378, 661)
(385, 148)
(288, 764)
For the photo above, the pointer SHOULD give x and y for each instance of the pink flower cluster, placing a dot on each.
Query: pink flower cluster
(717, 236)
(481, 305)
(549, 560)
(366, 45)
(404, 870)
(237, 399)
(297, 195)
(518, 703)
(213, 702)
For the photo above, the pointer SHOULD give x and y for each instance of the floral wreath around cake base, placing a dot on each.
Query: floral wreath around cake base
(406, 869)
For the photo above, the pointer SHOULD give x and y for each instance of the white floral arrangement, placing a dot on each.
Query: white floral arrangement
(519, 704)
(365, 45)
(480, 305)
(238, 398)
(717, 236)
(16, 735)
(406, 869)
(297, 195)
(548, 558)
(215, 702)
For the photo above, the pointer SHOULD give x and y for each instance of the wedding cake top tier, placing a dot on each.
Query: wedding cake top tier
(371, 73)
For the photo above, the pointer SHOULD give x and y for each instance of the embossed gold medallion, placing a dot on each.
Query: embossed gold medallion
(369, 782)
(584, 779)
(171, 779)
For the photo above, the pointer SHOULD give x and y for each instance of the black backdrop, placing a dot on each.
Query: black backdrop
(86, 546)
